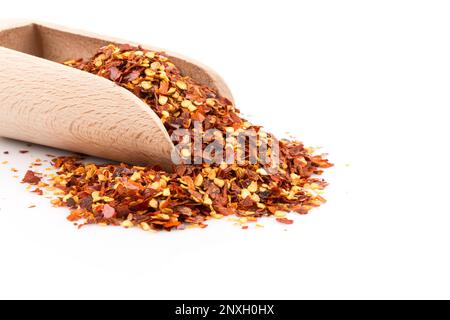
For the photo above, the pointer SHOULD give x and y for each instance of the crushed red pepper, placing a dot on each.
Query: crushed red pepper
(285, 220)
(154, 199)
(38, 191)
(31, 177)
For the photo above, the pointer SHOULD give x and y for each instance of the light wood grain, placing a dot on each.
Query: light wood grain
(44, 102)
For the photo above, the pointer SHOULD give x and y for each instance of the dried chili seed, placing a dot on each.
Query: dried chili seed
(181, 85)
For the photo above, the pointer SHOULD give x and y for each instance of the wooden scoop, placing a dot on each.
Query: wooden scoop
(45, 102)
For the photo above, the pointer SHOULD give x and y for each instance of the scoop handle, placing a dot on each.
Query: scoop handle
(50, 104)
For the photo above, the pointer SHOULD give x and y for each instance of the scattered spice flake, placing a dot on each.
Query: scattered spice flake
(14, 170)
(244, 227)
(32, 206)
(23, 151)
(56, 202)
(5, 162)
(285, 220)
(36, 164)
(38, 191)
(31, 178)
(5, 152)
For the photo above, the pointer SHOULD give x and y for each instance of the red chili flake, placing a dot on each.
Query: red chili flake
(23, 151)
(244, 227)
(122, 211)
(114, 73)
(86, 203)
(38, 191)
(285, 220)
(301, 210)
(133, 75)
(73, 217)
(125, 47)
(108, 211)
(31, 177)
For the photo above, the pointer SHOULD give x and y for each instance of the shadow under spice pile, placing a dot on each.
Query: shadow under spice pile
(152, 199)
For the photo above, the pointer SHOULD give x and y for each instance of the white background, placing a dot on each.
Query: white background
(367, 80)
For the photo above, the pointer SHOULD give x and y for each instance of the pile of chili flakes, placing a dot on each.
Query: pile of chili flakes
(153, 199)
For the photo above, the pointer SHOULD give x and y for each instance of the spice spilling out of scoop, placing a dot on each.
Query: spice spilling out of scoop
(152, 199)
